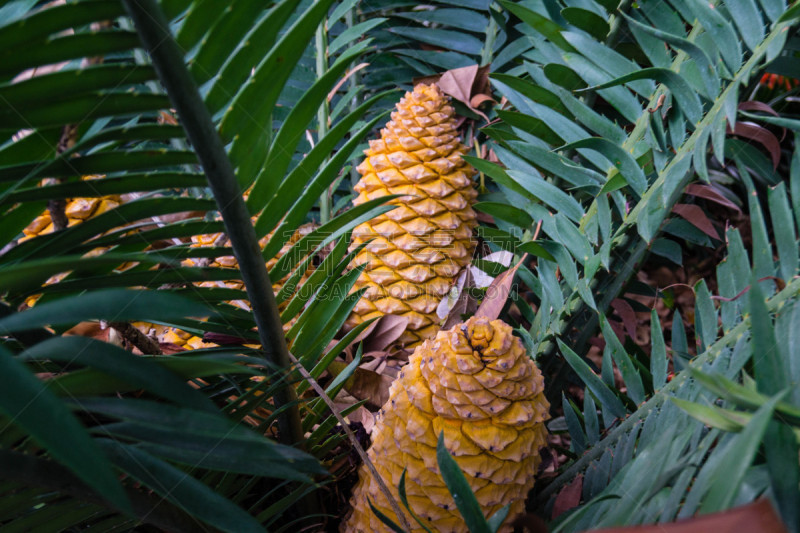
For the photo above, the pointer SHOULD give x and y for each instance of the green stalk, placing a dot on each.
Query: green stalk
(323, 114)
(167, 58)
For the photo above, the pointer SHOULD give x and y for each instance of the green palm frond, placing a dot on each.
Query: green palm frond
(603, 178)
(687, 459)
(607, 127)
(105, 112)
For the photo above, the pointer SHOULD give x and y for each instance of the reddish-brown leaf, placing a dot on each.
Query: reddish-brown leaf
(384, 332)
(710, 193)
(755, 105)
(627, 314)
(497, 293)
(569, 497)
(223, 340)
(761, 135)
(458, 82)
(758, 516)
(168, 348)
(530, 523)
(619, 329)
(697, 218)
(478, 99)
(370, 386)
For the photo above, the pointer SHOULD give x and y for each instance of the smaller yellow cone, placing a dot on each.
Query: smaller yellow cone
(477, 385)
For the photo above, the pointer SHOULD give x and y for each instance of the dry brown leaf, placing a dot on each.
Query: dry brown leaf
(761, 135)
(479, 99)
(364, 416)
(695, 215)
(384, 332)
(375, 360)
(88, 329)
(627, 314)
(569, 497)
(469, 85)
(497, 293)
(758, 516)
(167, 117)
(365, 384)
(458, 82)
(370, 386)
(344, 78)
(709, 193)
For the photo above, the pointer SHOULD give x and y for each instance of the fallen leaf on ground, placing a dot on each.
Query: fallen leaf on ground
(569, 497)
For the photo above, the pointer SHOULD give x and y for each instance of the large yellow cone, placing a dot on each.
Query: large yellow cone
(417, 249)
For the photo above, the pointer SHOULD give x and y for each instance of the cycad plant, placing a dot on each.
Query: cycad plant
(616, 110)
(613, 120)
(179, 110)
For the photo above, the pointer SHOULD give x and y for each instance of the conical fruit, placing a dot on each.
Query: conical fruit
(77, 210)
(189, 341)
(229, 261)
(476, 383)
(418, 248)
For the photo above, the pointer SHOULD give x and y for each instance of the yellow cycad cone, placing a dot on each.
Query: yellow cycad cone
(417, 249)
(77, 210)
(475, 383)
(189, 341)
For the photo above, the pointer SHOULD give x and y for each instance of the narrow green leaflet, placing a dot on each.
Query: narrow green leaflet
(459, 488)
(122, 364)
(28, 403)
(626, 367)
(737, 459)
(658, 352)
(506, 212)
(598, 388)
(711, 81)
(180, 488)
(622, 160)
(684, 95)
(771, 372)
(111, 304)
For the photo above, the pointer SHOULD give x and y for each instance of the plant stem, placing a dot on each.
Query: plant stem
(168, 60)
(323, 114)
(356, 445)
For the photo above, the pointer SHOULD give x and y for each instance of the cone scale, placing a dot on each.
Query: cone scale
(476, 383)
(416, 250)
